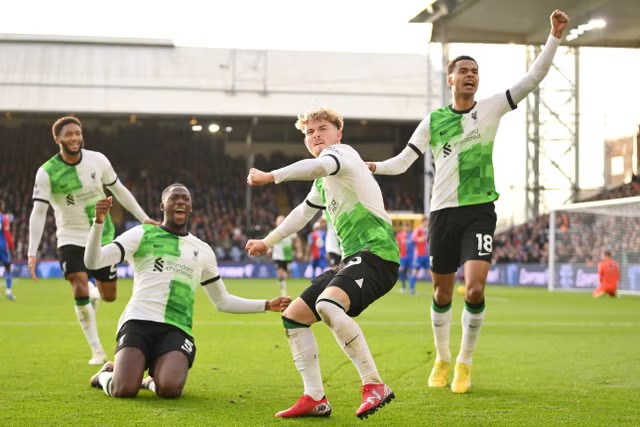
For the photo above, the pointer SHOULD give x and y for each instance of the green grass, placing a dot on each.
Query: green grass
(544, 359)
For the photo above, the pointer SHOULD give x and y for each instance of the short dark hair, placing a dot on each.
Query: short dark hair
(170, 186)
(452, 63)
(62, 122)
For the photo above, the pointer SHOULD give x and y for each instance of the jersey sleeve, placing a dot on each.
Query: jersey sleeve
(128, 242)
(42, 186)
(210, 272)
(109, 176)
(417, 145)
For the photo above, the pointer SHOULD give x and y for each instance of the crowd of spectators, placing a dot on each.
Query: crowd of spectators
(147, 159)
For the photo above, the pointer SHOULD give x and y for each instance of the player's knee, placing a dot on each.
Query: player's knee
(169, 389)
(119, 389)
(108, 298)
(474, 294)
(326, 307)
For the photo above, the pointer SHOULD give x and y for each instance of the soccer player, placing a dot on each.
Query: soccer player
(463, 217)
(154, 331)
(72, 182)
(608, 276)
(317, 250)
(282, 255)
(6, 247)
(346, 189)
(332, 245)
(403, 237)
(421, 260)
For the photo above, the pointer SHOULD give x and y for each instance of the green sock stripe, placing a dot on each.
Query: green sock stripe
(474, 308)
(440, 308)
(82, 301)
(292, 324)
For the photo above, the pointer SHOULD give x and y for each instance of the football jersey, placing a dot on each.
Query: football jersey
(73, 191)
(168, 269)
(462, 146)
(283, 250)
(353, 201)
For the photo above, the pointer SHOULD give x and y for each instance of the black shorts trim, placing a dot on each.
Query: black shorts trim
(281, 264)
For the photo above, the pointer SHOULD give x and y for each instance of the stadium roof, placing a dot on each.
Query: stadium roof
(526, 21)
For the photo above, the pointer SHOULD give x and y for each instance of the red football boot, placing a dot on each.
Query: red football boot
(374, 396)
(307, 406)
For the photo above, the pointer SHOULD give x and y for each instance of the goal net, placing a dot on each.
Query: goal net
(578, 233)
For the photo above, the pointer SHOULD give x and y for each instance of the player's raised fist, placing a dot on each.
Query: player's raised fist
(256, 247)
(258, 177)
(102, 209)
(559, 21)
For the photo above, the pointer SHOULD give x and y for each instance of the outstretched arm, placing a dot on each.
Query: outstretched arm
(416, 146)
(304, 170)
(298, 218)
(228, 303)
(542, 64)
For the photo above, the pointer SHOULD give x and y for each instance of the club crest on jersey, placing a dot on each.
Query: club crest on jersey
(333, 206)
(474, 116)
(93, 175)
(195, 255)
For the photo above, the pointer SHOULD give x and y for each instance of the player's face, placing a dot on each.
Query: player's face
(176, 206)
(465, 78)
(320, 134)
(70, 139)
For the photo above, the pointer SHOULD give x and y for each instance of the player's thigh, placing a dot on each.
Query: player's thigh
(170, 371)
(477, 236)
(364, 278)
(444, 241)
(300, 312)
(172, 339)
(309, 297)
(129, 367)
(71, 260)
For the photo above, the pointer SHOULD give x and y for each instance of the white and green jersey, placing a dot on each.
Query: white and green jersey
(283, 250)
(168, 269)
(354, 205)
(462, 146)
(72, 191)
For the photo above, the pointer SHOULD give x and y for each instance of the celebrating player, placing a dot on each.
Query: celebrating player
(72, 182)
(154, 331)
(369, 269)
(463, 217)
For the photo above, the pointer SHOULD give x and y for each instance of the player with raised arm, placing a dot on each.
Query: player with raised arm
(71, 182)
(463, 219)
(155, 329)
(346, 189)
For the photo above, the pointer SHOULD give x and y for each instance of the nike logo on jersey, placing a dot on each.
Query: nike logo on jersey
(483, 253)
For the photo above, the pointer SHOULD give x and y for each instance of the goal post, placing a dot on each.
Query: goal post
(579, 232)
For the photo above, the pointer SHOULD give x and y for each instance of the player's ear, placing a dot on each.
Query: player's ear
(161, 207)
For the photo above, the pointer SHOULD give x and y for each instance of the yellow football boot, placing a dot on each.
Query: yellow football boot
(439, 372)
(461, 378)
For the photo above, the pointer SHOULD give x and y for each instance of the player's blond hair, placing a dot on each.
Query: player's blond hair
(324, 113)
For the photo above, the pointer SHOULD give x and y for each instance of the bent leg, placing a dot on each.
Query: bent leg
(170, 374)
(127, 374)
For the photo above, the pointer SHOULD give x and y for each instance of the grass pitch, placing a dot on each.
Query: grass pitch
(543, 359)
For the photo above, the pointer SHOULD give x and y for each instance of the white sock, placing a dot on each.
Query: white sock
(87, 318)
(441, 325)
(283, 287)
(471, 324)
(351, 339)
(94, 296)
(104, 379)
(304, 349)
